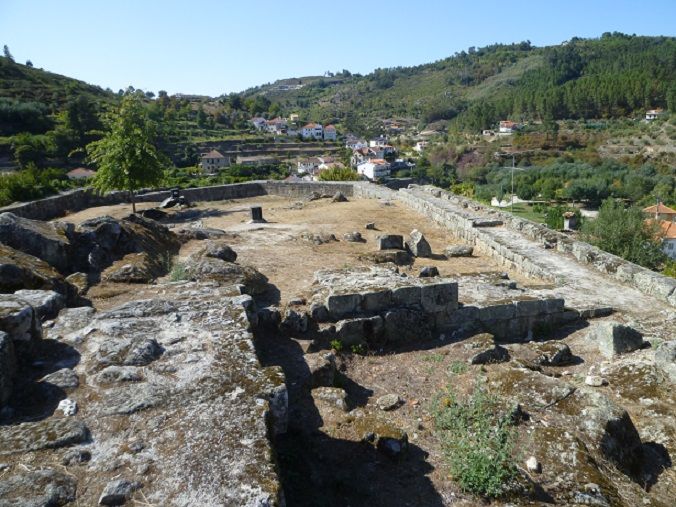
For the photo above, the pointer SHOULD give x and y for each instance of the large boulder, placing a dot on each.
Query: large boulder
(390, 242)
(38, 488)
(19, 270)
(418, 245)
(19, 319)
(47, 303)
(218, 250)
(228, 273)
(49, 241)
(133, 268)
(613, 338)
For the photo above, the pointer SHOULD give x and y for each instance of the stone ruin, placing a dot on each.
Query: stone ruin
(177, 396)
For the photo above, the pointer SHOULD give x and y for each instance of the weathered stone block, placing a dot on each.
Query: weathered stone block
(614, 338)
(403, 325)
(18, 319)
(373, 302)
(407, 296)
(418, 245)
(438, 296)
(497, 312)
(342, 305)
(531, 308)
(390, 242)
(355, 331)
(459, 251)
(46, 303)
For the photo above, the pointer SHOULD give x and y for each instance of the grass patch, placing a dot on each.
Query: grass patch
(178, 272)
(434, 358)
(478, 441)
(457, 367)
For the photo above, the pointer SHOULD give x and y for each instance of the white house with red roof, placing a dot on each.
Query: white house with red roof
(312, 131)
(508, 126)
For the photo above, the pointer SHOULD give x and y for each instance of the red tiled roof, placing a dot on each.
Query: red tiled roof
(660, 209)
(213, 154)
(668, 229)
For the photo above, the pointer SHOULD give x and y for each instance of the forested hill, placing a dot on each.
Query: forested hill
(615, 75)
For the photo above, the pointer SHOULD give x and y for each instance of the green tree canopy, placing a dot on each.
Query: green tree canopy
(625, 232)
(126, 156)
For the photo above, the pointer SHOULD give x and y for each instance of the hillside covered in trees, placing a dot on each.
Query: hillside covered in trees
(613, 76)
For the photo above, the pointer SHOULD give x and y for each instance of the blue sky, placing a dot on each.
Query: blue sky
(211, 47)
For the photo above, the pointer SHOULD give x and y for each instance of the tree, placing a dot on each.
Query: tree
(625, 232)
(29, 63)
(126, 156)
(7, 54)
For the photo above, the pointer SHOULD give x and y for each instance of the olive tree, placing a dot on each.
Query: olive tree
(126, 156)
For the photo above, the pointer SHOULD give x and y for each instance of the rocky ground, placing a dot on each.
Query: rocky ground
(221, 362)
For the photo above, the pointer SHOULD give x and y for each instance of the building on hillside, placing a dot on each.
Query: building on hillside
(312, 131)
(378, 142)
(374, 169)
(294, 117)
(508, 126)
(330, 133)
(362, 155)
(81, 173)
(653, 114)
(420, 146)
(488, 133)
(276, 126)
(354, 143)
(308, 165)
(668, 235)
(213, 161)
(259, 123)
(660, 212)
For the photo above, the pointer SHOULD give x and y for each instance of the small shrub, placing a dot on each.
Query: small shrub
(478, 442)
(178, 272)
(457, 368)
(435, 358)
(336, 345)
(358, 348)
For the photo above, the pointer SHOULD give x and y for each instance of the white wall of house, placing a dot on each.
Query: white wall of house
(373, 170)
(312, 132)
(330, 134)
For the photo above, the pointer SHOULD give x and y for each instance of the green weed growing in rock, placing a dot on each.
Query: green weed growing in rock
(358, 348)
(478, 441)
(336, 345)
(178, 272)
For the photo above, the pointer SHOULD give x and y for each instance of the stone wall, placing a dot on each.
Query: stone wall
(465, 226)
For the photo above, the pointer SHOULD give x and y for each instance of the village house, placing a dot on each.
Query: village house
(660, 212)
(330, 133)
(308, 165)
(354, 143)
(312, 131)
(213, 161)
(653, 114)
(259, 123)
(378, 142)
(276, 126)
(81, 173)
(420, 146)
(294, 117)
(361, 155)
(374, 169)
(507, 127)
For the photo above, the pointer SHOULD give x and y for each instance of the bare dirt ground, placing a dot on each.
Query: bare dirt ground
(277, 249)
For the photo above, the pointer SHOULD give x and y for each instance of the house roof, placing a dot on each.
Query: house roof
(329, 127)
(668, 228)
(213, 154)
(311, 125)
(379, 161)
(80, 172)
(659, 209)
